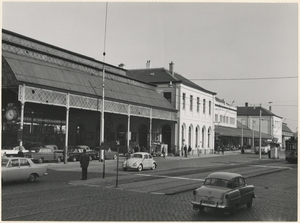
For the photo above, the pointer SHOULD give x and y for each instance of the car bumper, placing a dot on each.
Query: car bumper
(196, 205)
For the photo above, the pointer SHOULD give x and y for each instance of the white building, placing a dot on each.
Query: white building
(195, 105)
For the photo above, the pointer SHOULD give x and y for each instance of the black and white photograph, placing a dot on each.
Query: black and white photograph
(149, 111)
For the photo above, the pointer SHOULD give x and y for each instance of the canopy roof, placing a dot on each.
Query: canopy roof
(237, 132)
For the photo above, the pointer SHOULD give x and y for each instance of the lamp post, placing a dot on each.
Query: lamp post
(260, 132)
(253, 122)
(242, 142)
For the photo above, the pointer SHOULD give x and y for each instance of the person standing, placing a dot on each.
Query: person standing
(84, 163)
(20, 152)
(185, 151)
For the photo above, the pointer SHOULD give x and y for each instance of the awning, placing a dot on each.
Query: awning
(237, 132)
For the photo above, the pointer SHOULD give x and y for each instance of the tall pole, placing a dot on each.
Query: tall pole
(103, 96)
(260, 133)
(253, 133)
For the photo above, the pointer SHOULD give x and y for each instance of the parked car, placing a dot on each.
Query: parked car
(140, 161)
(21, 168)
(12, 150)
(75, 152)
(42, 154)
(109, 154)
(223, 190)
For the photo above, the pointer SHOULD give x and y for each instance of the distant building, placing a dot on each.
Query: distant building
(286, 133)
(270, 123)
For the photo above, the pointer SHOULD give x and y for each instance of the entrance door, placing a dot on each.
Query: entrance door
(166, 136)
(143, 134)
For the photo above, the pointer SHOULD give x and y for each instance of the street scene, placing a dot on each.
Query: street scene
(149, 111)
(163, 194)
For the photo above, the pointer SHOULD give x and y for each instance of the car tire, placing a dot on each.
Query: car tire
(153, 167)
(32, 178)
(58, 159)
(140, 168)
(40, 160)
(201, 208)
(115, 157)
(125, 169)
(74, 159)
(249, 205)
(233, 210)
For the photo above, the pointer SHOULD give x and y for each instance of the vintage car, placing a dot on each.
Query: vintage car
(140, 161)
(109, 154)
(75, 152)
(223, 190)
(42, 154)
(21, 168)
(12, 150)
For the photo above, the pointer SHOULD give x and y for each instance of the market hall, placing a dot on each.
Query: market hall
(55, 96)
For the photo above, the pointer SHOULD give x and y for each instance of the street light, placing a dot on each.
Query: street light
(242, 142)
(260, 132)
(253, 122)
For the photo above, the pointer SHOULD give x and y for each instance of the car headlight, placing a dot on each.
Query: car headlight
(135, 164)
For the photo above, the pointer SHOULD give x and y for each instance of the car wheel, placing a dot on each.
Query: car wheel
(201, 208)
(125, 169)
(233, 209)
(153, 166)
(74, 159)
(58, 159)
(140, 168)
(115, 157)
(249, 205)
(32, 178)
(40, 160)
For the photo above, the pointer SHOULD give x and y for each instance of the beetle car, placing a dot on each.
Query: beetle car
(21, 168)
(223, 190)
(140, 161)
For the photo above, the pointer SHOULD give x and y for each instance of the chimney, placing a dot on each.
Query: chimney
(148, 64)
(121, 65)
(171, 67)
(270, 108)
(246, 104)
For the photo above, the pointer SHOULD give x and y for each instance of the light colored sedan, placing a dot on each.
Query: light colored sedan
(21, 168)
(140, 161)
(223, 190)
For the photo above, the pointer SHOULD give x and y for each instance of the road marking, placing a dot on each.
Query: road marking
(276, 167)
(178, 178)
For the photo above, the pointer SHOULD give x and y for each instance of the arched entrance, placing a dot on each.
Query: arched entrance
(166, 136)
(143, 135)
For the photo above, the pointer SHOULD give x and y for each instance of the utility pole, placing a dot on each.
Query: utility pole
(260, 132)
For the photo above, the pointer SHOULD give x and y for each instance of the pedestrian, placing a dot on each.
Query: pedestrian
(223, 148)
(182, 149)
(190, 149)
(84, 163)
(163, 151)
(185, 151)
(20, 153)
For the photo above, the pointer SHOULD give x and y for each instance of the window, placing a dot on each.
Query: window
(191, 103)
(221, 118)
(216, 118)
(183, 101)
(24, 162)
(15, 163)
(232, 121)
(226, 119)
(168, 95)
(209, 104)
(198, 104)
(203, 106)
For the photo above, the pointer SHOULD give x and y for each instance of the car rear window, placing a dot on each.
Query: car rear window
(4, 162)
(218, 182)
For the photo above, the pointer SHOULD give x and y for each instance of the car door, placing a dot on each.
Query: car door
(146, 161)
(13, 171)
(245, 191)
(26, 169)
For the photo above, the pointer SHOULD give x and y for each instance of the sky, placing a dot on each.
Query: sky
(244, 52)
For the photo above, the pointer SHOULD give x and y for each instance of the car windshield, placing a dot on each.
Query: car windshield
(218, 182)
(137, 156)
(4, 162)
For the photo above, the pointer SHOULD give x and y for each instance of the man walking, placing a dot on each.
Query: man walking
(84, 163)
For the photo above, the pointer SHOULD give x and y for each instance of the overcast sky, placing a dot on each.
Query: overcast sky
(245, 52)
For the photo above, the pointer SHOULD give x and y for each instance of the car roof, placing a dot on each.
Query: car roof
(142, 153)
(224, 175)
